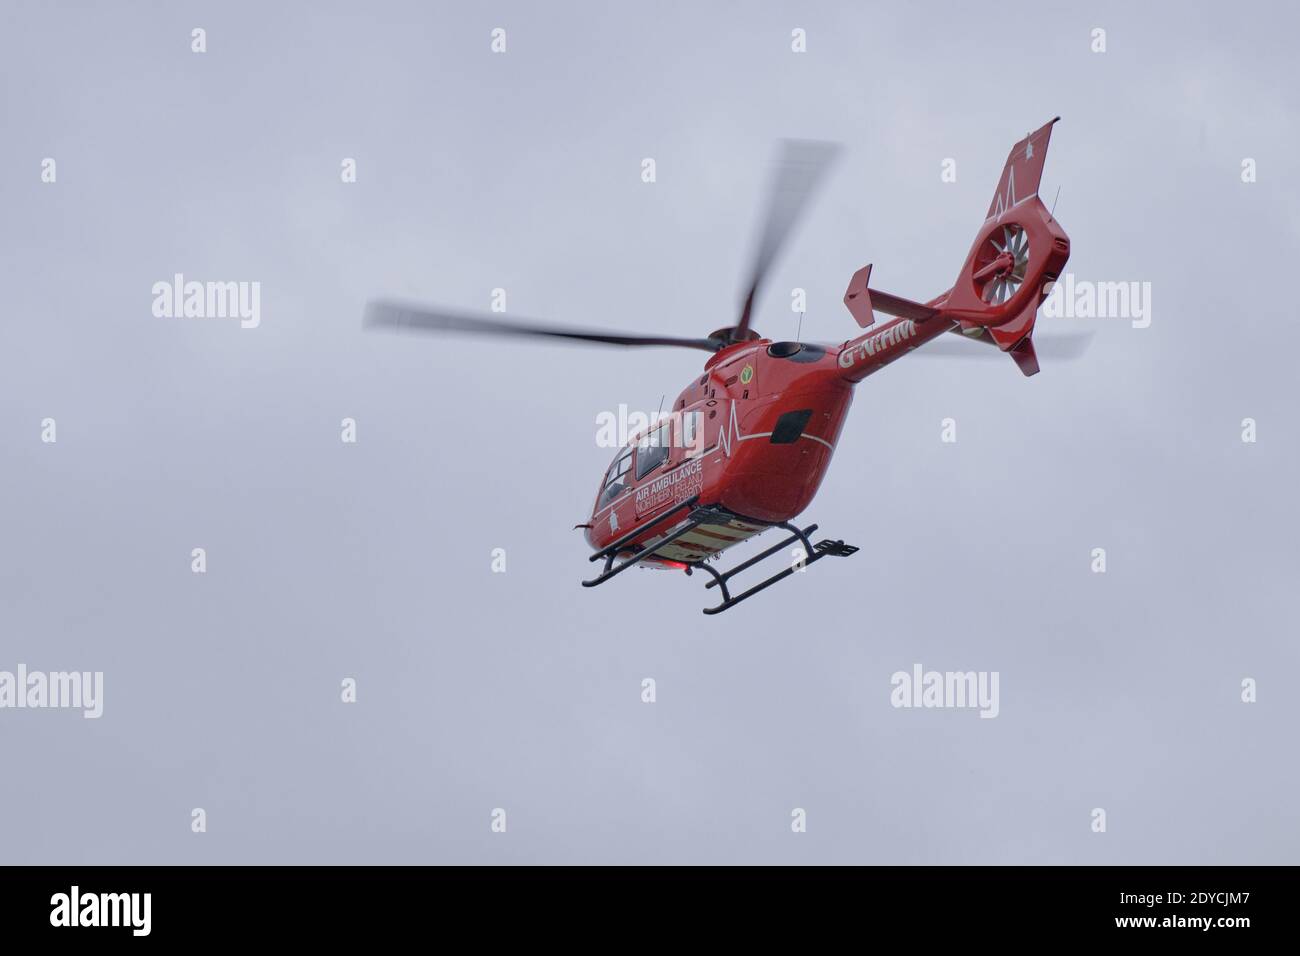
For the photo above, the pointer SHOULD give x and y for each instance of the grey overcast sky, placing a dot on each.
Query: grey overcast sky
(522, 690)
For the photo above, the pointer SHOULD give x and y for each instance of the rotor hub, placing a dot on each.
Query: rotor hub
(1001, 264)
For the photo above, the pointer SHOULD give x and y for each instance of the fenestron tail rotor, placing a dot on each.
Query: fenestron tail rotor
(1002, 264)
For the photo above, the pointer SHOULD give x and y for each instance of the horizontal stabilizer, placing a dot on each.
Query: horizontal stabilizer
(862, 302)
(903, 308)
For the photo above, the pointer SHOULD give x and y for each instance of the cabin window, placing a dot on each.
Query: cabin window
(652, 451)
(616, 477)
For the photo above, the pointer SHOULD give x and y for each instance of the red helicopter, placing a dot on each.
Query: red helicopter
(747, 443)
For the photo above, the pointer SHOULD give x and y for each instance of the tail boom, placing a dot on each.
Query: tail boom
(869, 353)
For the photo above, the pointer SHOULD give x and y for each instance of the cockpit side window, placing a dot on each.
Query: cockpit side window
(616, 477)
(652, 451)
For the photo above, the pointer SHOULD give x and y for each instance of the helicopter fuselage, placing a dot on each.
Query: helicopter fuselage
(752, 438)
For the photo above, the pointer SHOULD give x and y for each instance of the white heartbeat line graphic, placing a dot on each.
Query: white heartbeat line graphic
(1005, 200)
(731, 433)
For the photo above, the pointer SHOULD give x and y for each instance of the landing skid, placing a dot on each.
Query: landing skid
(700, 516)
(609, 552)
(814, 553)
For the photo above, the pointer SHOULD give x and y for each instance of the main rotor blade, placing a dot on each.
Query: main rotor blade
(1061, 347)
(392, 315)
(801, 165)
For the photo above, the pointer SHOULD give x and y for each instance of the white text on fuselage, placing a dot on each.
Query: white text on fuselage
(877, 343)
(677, 485)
